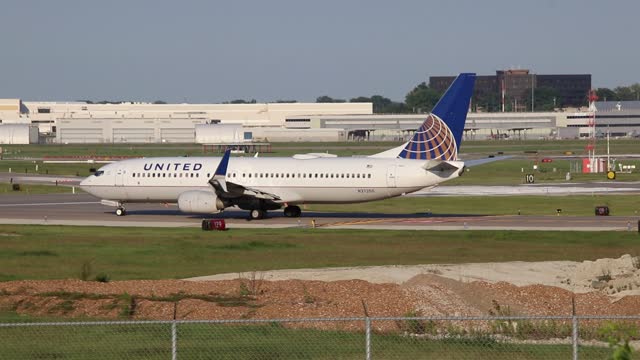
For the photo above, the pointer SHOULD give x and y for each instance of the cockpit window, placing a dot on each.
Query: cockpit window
(98, 173)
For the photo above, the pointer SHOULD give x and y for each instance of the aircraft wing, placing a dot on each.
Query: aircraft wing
(229, 190)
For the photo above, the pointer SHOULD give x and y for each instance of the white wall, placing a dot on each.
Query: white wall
(18, 134)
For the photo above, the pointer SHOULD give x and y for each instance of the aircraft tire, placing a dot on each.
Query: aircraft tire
(292, 211)
(257, 214)
(121, 211)
(296, 211)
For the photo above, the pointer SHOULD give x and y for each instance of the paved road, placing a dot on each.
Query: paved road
(83, 209)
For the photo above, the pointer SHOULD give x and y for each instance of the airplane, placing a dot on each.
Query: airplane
(262, 184)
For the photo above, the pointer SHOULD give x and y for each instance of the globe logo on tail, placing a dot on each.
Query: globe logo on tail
(432, 141)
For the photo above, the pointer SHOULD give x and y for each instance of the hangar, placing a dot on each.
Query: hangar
(80, 122)
(18, 134)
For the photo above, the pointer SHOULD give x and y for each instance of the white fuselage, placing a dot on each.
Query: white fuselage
(294, 181)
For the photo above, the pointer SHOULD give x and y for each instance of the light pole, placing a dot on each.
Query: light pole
(533, 86)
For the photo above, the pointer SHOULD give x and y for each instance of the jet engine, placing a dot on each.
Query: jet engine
(196, 201)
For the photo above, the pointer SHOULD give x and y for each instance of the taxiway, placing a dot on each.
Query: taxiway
(83, 209)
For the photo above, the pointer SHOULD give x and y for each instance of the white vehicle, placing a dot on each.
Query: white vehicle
(210, 184)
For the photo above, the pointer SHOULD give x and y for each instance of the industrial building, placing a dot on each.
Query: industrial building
(69, 123)
(516, 86)
(79, 122)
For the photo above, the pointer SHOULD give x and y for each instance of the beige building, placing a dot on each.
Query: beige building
(176, 123)
(161, 123)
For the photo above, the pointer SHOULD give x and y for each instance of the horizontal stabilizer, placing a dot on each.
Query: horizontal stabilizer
(439, 165)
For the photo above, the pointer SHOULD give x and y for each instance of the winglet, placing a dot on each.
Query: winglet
(224, 162)
(221, 172)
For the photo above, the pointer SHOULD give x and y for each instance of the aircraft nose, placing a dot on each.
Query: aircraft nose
(85, 184)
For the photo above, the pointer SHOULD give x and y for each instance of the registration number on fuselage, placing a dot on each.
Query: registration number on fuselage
(365, 191)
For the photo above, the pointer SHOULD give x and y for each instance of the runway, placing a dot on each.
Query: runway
(83, 209)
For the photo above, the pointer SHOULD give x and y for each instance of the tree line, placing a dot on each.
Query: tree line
(422, 98)
(620, 93)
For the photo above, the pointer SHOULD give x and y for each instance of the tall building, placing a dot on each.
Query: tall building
(517, 85)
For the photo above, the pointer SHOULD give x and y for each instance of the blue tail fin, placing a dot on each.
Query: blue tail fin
(439, 136)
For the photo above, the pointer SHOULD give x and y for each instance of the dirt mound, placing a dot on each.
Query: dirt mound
(427, 294)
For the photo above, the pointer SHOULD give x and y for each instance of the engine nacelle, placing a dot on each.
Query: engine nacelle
(196, 201)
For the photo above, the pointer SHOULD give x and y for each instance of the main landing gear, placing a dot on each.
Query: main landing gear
(257, 214)
(289, 211)
(292, 211)
(121, 211)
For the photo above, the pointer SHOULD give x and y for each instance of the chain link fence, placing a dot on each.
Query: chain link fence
(495, 337)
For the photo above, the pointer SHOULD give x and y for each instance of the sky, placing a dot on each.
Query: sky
(216, 51)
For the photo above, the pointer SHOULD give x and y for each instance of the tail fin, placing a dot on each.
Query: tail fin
(439, 136)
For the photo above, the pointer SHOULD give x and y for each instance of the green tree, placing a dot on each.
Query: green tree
(360, 99)
(328, 99)
(546, 99)
(422, 98)
(241, 101)
(383, 105)
(489, 101)
(606, 94)
(636, 90)
(625, 93)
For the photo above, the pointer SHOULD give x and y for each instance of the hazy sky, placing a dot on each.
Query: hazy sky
(214, 51)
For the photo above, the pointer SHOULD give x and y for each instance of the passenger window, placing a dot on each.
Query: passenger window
(369, 176)
(197, 175)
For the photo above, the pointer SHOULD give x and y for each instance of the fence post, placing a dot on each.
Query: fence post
(174, 333)
(367, 322)
(574, 336)
(174, 340)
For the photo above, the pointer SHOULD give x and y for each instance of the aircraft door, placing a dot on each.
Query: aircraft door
(391, 176)
(119, 177)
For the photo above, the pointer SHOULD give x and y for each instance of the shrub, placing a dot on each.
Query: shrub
(102, 277)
